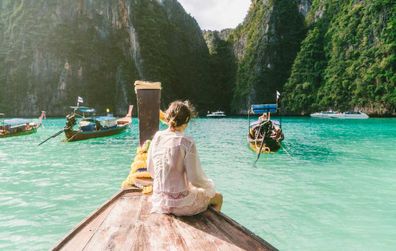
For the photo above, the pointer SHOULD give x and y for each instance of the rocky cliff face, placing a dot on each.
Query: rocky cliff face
(222, 68)
(265, 46)
(53, 51)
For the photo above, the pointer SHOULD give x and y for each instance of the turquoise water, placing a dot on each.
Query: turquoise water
(335, 189)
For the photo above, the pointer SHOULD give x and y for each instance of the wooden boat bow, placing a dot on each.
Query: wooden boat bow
(125, 223)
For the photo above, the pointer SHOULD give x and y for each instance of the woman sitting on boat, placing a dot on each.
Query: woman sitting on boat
(180, 185)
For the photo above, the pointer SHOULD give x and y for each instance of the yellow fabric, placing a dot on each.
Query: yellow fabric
(162, 116)
(147, 190)
(136, 165)
(140, 157)
(139, 163)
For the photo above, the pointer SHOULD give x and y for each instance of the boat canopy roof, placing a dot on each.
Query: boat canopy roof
(105, 118)
(83, 109)
(16, 122)
(262, 108)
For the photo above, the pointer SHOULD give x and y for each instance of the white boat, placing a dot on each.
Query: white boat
(340, 115)
(216, 114)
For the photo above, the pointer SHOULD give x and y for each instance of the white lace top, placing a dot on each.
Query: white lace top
(174, 164)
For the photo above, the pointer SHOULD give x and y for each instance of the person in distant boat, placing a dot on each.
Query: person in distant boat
(180, 186)
(264, 117)
(98, 125)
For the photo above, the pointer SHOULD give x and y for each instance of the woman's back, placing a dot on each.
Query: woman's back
(180, 185)
(168, 152)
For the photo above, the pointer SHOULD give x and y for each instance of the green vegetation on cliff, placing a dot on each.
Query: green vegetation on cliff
(341, 55)
(53, 51)
(222, 68)
(265, 46)
(348, 59)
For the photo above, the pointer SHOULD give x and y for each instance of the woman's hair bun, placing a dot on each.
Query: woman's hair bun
(179, 113)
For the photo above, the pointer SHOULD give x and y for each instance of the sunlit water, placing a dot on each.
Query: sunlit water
(333, 188)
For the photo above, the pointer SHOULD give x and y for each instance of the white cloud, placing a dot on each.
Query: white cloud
(217, 14)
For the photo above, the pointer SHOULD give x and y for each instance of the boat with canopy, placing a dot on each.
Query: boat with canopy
(216, 114)
(19, 126)
(340, 115)
(265, 135)
(92, 126)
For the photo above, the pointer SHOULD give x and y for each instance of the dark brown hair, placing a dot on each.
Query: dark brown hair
(179, 113)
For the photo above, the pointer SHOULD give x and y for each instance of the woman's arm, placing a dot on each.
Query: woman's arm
(195, 174)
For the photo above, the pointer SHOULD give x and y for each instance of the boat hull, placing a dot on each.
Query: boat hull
(215, 116)
(22, 133)
(75, 135)
(270, 145)
(339, 116)
(126, 223)
(273, 136)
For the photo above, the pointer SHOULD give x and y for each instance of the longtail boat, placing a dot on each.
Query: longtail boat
(18, 126)
(265, 135)
(125, 222)
(94, 126)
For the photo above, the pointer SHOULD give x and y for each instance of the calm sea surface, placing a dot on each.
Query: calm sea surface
(333, 188)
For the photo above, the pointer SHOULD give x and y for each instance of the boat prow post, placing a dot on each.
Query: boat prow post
(128, 117)
(149, 98)
(40, 119)
(129, 114)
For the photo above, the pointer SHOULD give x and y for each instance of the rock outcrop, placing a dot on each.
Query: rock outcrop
(53, 51)
(265, 46)
(347, 60)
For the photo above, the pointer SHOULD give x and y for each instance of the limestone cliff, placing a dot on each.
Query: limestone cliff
(265, 46)
(347, 60)
(53, 51)
(222, 68)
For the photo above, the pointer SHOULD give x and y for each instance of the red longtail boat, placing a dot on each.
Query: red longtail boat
(94, 126)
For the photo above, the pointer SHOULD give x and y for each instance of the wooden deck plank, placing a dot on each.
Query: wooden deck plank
(128, 225)
(81, 240)
(74, 235)
(112, 232)
(163, 234)
(203, 240)
(136, 233)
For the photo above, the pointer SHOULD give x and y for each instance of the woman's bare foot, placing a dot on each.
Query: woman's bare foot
(216, 202)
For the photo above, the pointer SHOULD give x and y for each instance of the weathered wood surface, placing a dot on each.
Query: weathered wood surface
(148, 101)
(125, 223)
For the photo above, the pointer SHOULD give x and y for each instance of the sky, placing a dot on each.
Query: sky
(217, 14)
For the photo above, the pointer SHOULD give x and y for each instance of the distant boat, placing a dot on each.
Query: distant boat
(340, 115)
(18, 126)
(94, 126)
(216, 114)
(265, 135)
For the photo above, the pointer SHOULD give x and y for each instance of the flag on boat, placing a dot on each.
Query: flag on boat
(80, 100)
(277, 95)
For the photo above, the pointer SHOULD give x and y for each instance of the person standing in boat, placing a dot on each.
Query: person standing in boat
(180, 186)
(264, 117)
